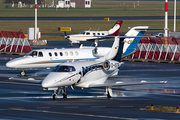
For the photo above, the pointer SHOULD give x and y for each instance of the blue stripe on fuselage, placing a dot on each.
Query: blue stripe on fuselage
(133, 45)
(50, 61)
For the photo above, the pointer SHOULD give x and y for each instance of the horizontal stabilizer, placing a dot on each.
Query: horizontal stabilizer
(150, 29)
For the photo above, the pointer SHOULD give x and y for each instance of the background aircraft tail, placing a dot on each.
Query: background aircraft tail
(114, 31)
(131, 43)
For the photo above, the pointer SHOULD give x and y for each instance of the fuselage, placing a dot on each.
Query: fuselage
(83, 74)
(95, 35)
(87, 35)
(46, 58)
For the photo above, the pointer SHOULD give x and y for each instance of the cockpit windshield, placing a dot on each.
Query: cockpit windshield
(32, 53)
(63, 69)
(35, 53)
(82, 32)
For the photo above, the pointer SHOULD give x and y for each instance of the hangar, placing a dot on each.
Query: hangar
(74, 4)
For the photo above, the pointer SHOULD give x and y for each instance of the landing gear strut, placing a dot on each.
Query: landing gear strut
(109, 92)
(54, 95)
(64, 92)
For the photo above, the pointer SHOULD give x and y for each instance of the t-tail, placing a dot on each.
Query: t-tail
(116, 50)
(114, 31)
(130, 44)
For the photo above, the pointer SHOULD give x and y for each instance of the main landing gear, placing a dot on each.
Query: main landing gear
(109, 92)
(64, 93)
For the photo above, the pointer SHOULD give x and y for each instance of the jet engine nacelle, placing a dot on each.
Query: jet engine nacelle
(100, 52)
(110, 65)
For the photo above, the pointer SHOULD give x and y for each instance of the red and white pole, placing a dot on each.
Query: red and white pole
(166, 19)
(35, 29)
(174, 15)
(138, 2)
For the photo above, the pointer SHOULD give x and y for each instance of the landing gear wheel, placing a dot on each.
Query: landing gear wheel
(54, 96)
(108, 95)
(109, 92)
(64, 96)
(64, 92)
(22, 73)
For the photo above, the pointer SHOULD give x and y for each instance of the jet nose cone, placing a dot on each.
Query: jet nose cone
(44, 84)
(9, 64)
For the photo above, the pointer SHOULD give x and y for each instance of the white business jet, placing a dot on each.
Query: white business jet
(94, 35)
(88, 74)
(47, 58)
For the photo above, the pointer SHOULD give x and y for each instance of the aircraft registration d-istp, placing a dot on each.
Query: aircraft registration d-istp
(48, 58)
(88, 74)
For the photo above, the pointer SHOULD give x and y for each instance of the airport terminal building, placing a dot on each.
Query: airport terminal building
(74, 4)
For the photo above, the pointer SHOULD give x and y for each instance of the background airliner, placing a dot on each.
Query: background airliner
(46, 58)
(87, 74)
(94, 35)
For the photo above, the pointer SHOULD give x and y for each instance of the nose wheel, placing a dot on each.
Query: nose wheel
(22, 73)
(54, 96)
(64, 92)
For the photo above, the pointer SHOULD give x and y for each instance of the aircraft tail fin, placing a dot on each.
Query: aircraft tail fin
(116, 50)
(130, 44)
(114, 31)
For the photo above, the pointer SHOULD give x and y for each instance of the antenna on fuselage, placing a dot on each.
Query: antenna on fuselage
(90, 29)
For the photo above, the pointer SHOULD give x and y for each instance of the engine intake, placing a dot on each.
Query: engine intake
(106, 65)
(109, 65)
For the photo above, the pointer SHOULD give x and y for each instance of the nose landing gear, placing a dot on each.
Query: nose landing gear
(64, 92)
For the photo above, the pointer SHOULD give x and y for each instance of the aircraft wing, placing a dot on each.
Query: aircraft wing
(119, 84)
(25, 80)
(101, 38)
(128, 36)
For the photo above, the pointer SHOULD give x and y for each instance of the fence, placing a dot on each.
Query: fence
(14, 42)
(164, 48)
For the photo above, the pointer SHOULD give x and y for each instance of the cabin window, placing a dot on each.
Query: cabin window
(55, 54)
(50, 54)
(87, 69)
(71, 53)
(61, 54)
(40, 54)
(94, 34)
(76, 53)
(102, 33)
(64, 69)
(83, 70)
(98, 33)
(87, 33)
(66, 53)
